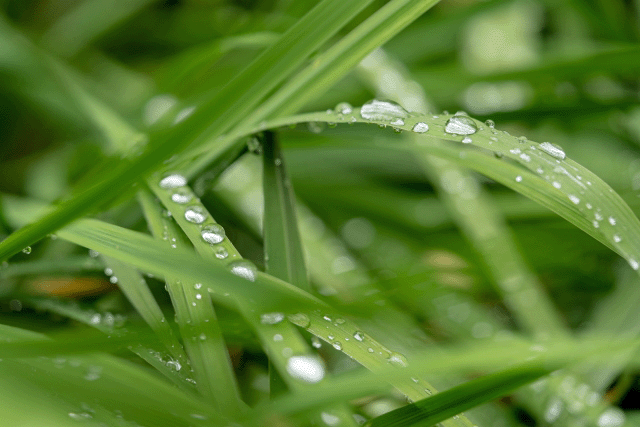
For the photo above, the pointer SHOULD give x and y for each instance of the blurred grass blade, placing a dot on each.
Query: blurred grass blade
(282, 246)
(232, 104)
(86, 21)
(435, 409)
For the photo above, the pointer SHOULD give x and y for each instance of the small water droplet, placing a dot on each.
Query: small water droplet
(461, 125)
(518, 178)
(633, 263)
(244, 269)
(612, 220)
(337, 345)
(612, 417)
(344, 108)
(420, 127)
(398, 122)
(173, 181)
(195, 214)
(220, 252)
(212, 234)
(490, 123)
(556, 184)
(315, 342)
(271, 318)
(359, 336)
(26, 250)
(574, 199)
(113, 279)
(617, 238)
(181, 196)
(309, 369)
(553, 150)
(382, 111)
(467, 140)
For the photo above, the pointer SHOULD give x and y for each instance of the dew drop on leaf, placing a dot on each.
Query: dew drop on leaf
(221, 253)
(461, 125)
(553, 150)
(195, 215)
(398, 359)
(383, 111)
(309, 369)
(244, 269)
(181, 197)
(271, 318)
(173, 181)
(300, 319)
(467, 140)
(212, 234)
(26, 250)
(344, 108)
(420, 127)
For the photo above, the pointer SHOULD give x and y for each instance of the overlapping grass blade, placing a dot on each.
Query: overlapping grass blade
(222, 112)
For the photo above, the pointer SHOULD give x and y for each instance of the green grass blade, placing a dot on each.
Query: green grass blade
(135, 288)
(85, 22)
(435, 409)
(197, 321)
(283, 248)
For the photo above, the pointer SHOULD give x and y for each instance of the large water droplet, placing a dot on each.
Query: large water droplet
(173, 181)
(300, 319)
(212, 234)
(382, 111)
(461, 125)
(397, 359)
(271, 318)
(553, 150)
(309, 369)
(195, 214)
(420, 127)
(244, 269)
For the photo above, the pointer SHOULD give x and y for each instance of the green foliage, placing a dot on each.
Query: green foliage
(285, 228)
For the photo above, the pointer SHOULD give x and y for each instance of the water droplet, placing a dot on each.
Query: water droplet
(467, 140)
(382, 111)
(596, 224)
(173, 181)
(300, 319)
(461, 125)
(344, 108)
(198, 296)
(329, 419)
(309, 369)
(633, 263)
(220, 252)
(340, 321)
(420, 127)
(553, 411)
(315, 342)
(80, 416)
(181, 197)
(556, 184)
(518, 178)
(617, 238)
(553, 150)
(278, 337)
(398, 122)
(612, 417)
(397, 359)
(574, 199)
(612, 220)
(212, 234)
(337, 345)
(244, 269)
(359, 336)
(522, 139)
(26, 250)
(490, 123)
(195, 214)
(113, 279)
(271, 318)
